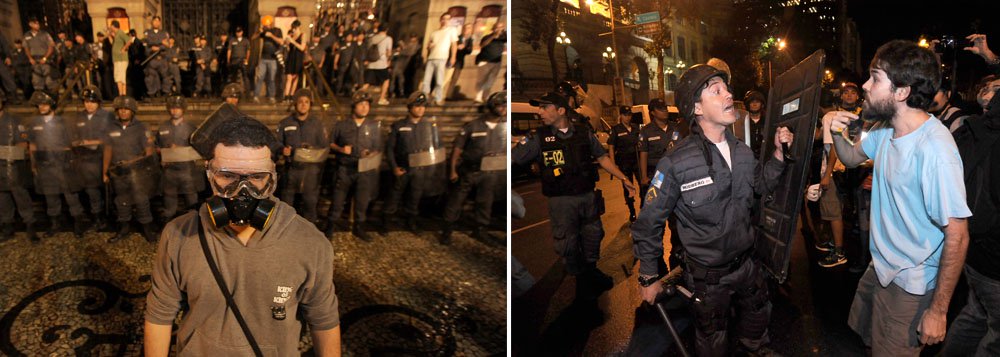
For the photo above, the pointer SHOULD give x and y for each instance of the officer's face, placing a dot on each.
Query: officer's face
(233, 100)
(90, 107)
(417, 111)
(716, 104)
(550, 113)
(361, 109)
(849, 96)
(34, 25)
(754, 106)
(156, 23)
(302, 105)
(44, 109)
(660, 114)
(176, 113)
(124, 114)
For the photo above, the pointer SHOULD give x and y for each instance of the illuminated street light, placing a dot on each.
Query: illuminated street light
(681, 64)
(563, 39)
(608, 53)
(781, 44)
(923, 43)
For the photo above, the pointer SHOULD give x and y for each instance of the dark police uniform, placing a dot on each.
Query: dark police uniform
(178, 176)
(568, 180)
(416, 148)
(13, 172)
(171, 55)
(625, 138)
(53, 163)
(477, 141)
(240, 48)
(713, 204)
(203, 76)
(655, 141)
(41, 73)
(361, 138)
(221, 75)
(157, 73)
(345, 77)
(88, 160)
(305, 170)
(127, 144)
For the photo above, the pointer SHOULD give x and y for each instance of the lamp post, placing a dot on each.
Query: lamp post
(563, 39)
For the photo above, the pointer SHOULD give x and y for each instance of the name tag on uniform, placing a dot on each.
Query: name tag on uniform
(406, 128)
(476, 135)
(164, 132)
(115, 134)
(291, 128)
(622, 134)
(697, 183)
(81, 124)
(37, 127)
(654, 138)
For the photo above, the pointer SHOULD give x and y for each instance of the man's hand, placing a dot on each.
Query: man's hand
(867, 183)
(933, 325)
(645, 181)
(979, 46)
(451, 62)
(105, 177)
(287, 151)
(346, 149)
(838, 121)
(453, 177)
(649, 293)
(6, 61)
(782, 136)
(630, 187)
(31, 60)
(399, 171)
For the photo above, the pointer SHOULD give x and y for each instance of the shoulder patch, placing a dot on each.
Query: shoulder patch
(657, 179)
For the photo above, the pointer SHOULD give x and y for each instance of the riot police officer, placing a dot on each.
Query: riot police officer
(750, 125)
(129, 163)
(178, 158)
(709, 179)
(231, 93)
(14, 175)
(655, 138)
(305, 148)
(171, 55)
(358, 144)
(237, 56)
(40, 49)
(202, 70)
(414, 153)
(91, 126)
(478, 160)
(623, 142)
(157, 71)
(566, 152)
(50, 139)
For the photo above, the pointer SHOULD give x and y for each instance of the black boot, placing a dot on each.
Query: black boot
(149, 232)
(360, 232)
(29, 229)
(79, 226)
(331, 228)
(7, 232)
(54, 227)
(123, 232)
(446, 234)
(383, 228)
(411, 225)
(596, 280)
(100, 223)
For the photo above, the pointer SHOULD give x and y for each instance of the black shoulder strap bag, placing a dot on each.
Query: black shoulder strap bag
(225, 292)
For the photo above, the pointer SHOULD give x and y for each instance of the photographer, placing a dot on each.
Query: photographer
(267, 68)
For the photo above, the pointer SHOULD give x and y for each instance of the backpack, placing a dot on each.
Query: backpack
(373, 53)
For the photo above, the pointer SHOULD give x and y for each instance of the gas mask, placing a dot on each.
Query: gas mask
(241, 198)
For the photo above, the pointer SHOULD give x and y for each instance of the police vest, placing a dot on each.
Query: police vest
(566, 164)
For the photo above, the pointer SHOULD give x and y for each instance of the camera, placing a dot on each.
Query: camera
(949, 42)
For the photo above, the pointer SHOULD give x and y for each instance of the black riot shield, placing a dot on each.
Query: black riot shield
(793, 102)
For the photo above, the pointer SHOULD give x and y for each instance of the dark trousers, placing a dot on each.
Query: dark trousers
(7, 82)
(976, 330)
(345, 79)
(484, 182)
(631, 172)
(178, 181)
(96, 197)
(157, 77)
(576, 230)
(129, 199)
(412, 183)
(365, 186)
(53, 204)
(17, 197)
(303, 178)
(746, 290)
(203, 80)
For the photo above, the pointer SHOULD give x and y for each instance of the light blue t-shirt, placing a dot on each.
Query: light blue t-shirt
(917, 185)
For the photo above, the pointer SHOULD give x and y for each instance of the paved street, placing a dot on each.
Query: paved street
(402, 294)
(808, 318)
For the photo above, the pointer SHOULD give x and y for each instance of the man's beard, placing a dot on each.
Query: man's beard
(878, 111)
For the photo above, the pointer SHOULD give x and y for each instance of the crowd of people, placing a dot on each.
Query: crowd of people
(341, 54)
(910, 186)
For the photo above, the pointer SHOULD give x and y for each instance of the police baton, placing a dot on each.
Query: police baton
(670, 288)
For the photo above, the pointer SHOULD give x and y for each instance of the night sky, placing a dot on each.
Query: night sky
(881, 21)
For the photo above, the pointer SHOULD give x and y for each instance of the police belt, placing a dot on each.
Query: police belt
(712, 274)
(126, 167)
(179, 154)
(11, 153)
(311, 156)
(493, 163)
(373, 162)
(88, 151)
(427, 158)
(46, 156)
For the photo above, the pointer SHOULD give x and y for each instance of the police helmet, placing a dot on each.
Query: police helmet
(40, 97)
(232, 90)
(91, 94)
(361, 96)
(753, 95)
(416, 99)
(303, 92)
(496, 101)
(124, 101)
(690, 85)
(176, 101)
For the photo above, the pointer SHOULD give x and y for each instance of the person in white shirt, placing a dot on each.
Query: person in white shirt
(440, 50)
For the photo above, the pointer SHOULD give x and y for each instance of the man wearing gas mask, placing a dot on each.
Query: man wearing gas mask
(131, 167)
(358, 144)
(249, 240)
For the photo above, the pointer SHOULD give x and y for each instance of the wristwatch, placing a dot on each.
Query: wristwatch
(647, 280)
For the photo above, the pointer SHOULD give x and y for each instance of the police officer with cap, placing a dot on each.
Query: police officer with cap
(40, 49)
(90, 128)
(414, 152)
(358, 144)
(14, 175)
(566, 152)
(567, 89)
(50, 139)
(157, 71)
(237, 56)
(709, 180)
(478, 160)
(656, 137)
(305, 148)
(128, 159)
(623, 142)
(178, 158)
(750, 125)
(231, 93)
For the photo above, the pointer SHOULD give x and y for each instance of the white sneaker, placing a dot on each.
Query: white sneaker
(383, 101)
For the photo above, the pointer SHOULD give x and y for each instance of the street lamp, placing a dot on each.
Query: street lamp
(563, 39)
(609, 54)
(780, 44)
